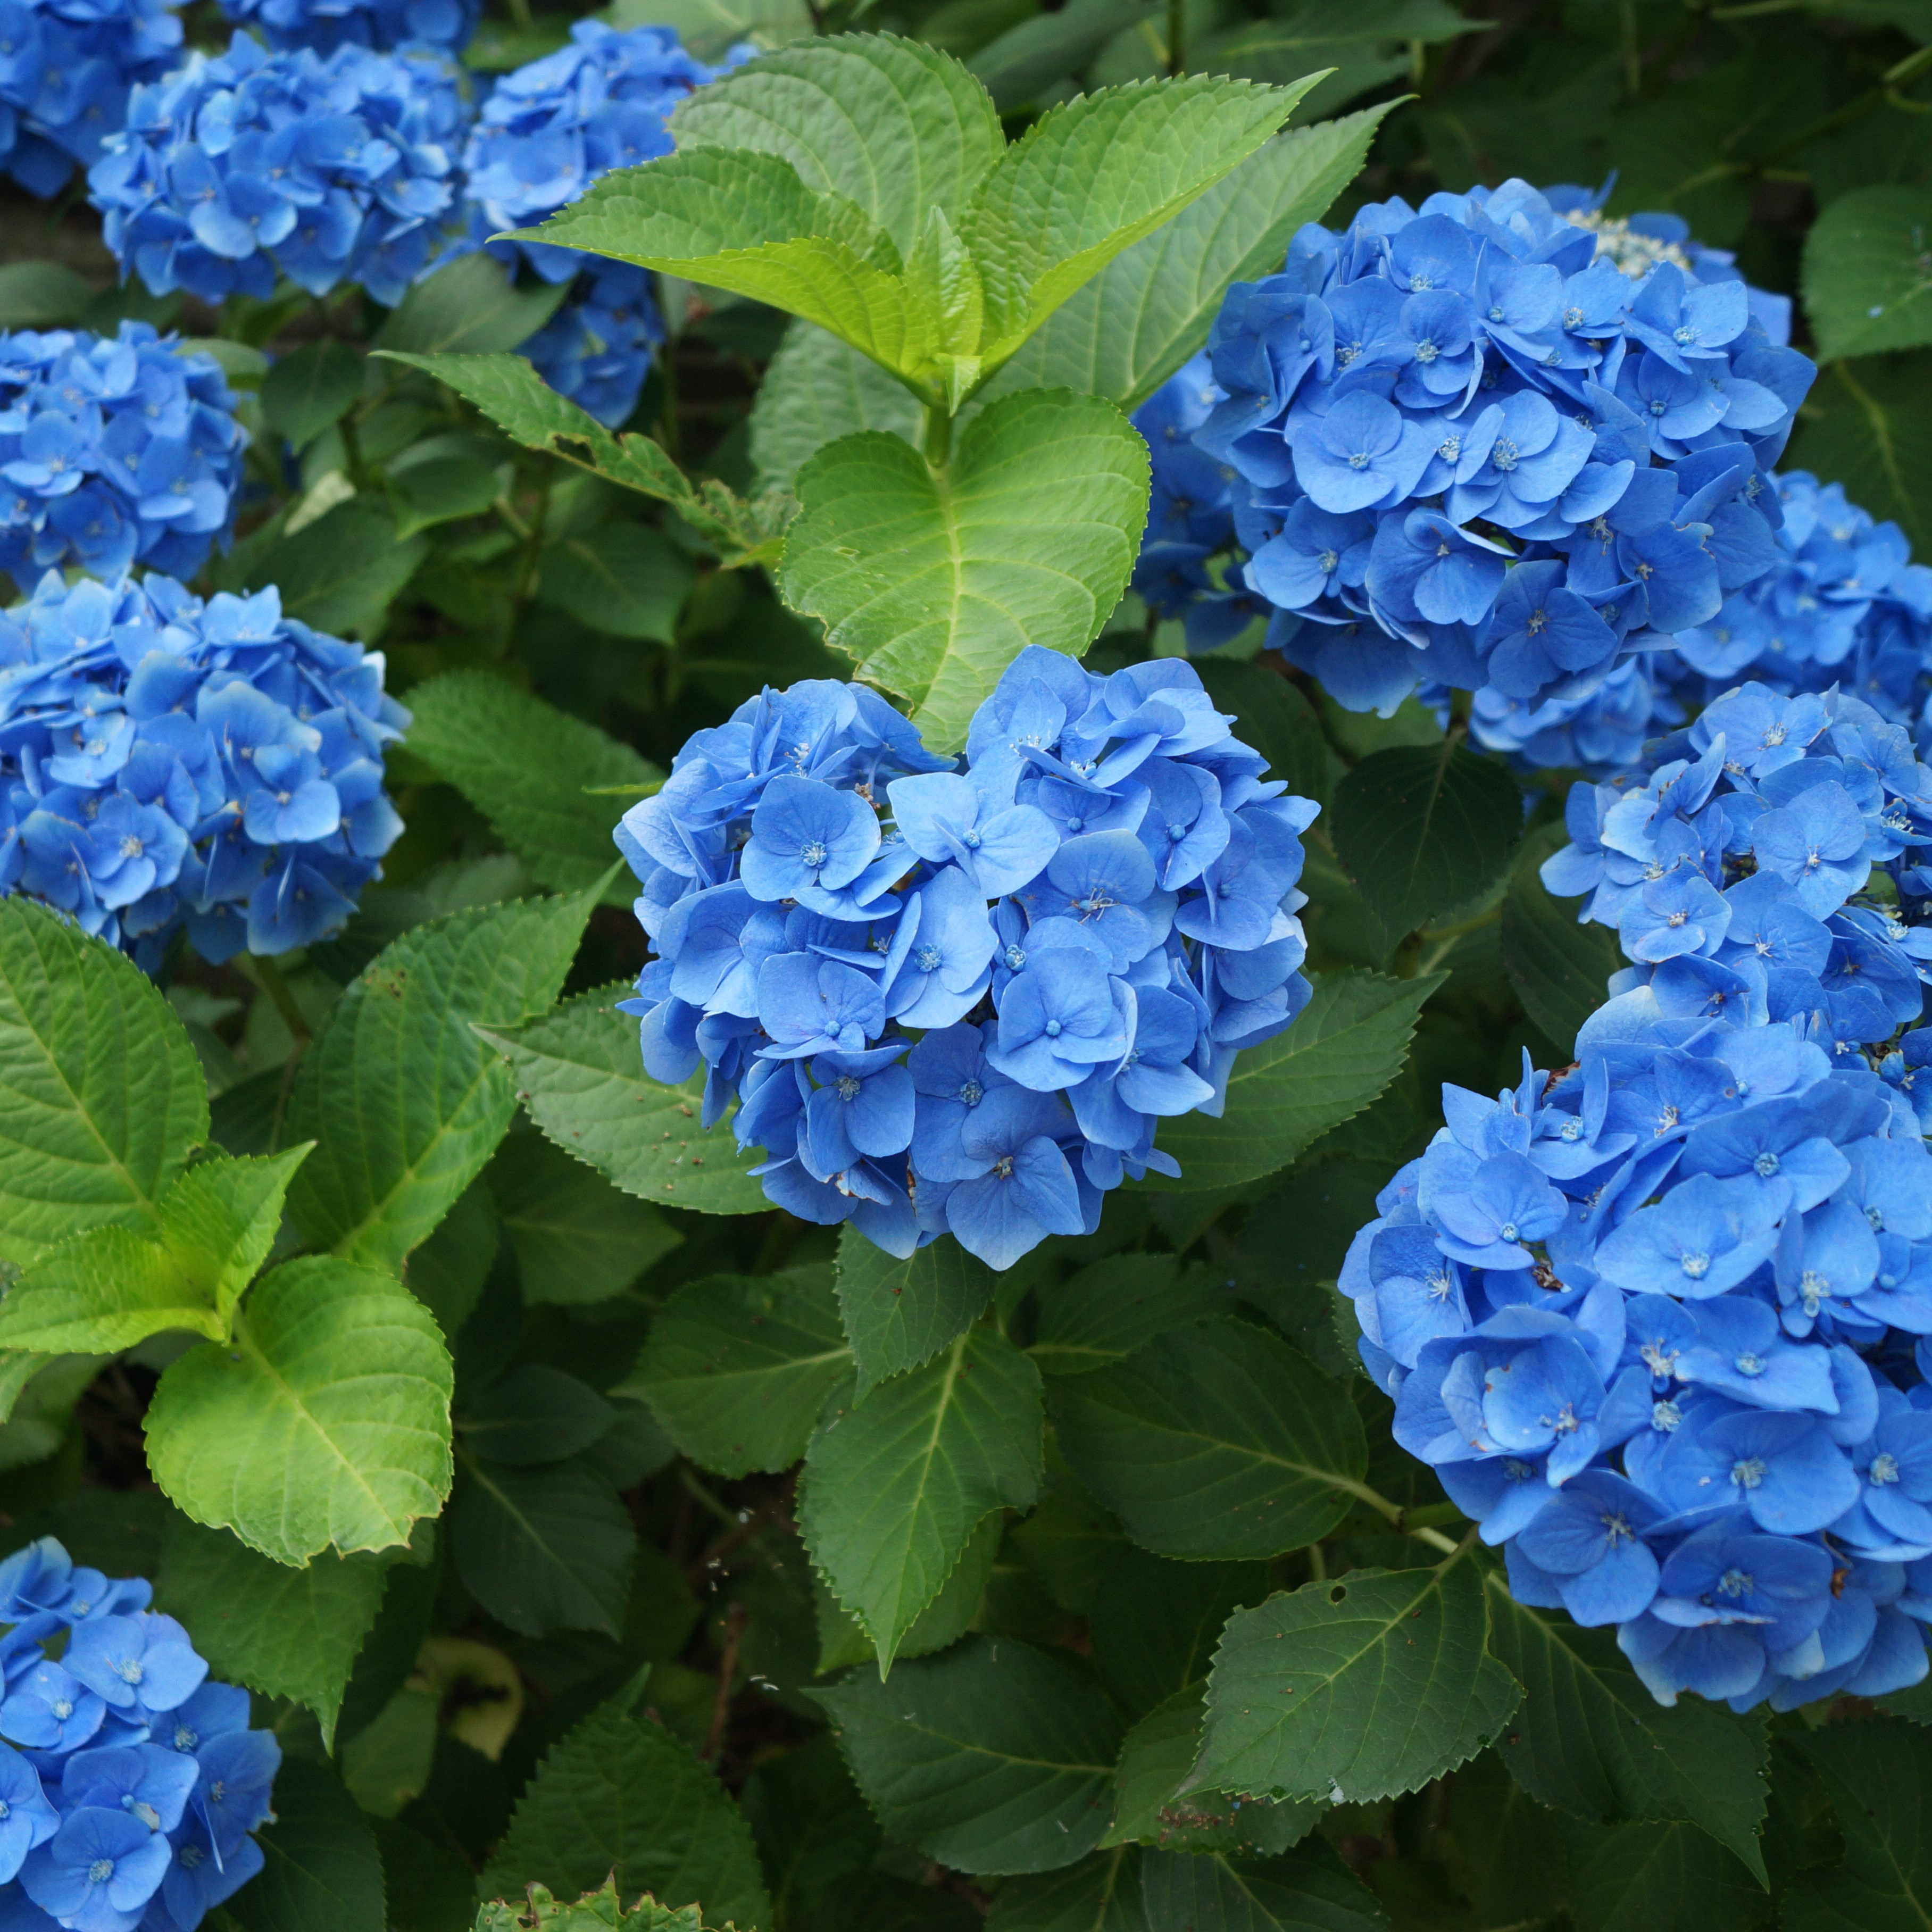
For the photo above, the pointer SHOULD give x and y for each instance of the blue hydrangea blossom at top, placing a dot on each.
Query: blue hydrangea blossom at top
(547, 131)
(130, 1784)
(165, 762)
(962, 1001)
(326, 170)
(113, 452)
(1469, 450)
(66, 70)
(384, 25)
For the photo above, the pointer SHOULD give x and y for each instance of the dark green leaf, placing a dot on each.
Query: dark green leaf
(446, 489)
(1102, 1314)
(1017, 64)
(1868, 272)
(737, 1368)
(1423, 828)
(446, 1272)
(817, 389)
(1155, 1623)
(536, 1414)
(340, 574)
(1217, 1441)
(898, 1314)
(1309, 1890)
(813, 1830)
(991, 1757)
(322, 1872)
(578, 1240)
(472, 307)
(1558, 966)
(1366, 42)
(622, 579)
(1100, 1894)
(41, 294)
(304, 392)
(1273, 715)
(842, 1638)
(543, 1549)
(1877, 1774)
(1868, 425)
(428, 1886)
(1671, 1878)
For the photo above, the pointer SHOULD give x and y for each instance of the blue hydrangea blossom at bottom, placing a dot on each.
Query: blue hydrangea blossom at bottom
(949, 1000)
(130, 1784)
(167, 763)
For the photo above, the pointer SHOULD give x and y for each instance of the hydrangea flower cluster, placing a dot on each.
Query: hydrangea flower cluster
(113, 452)
(547, 132)
(327, 169)
(384, 25)
(129, 1781)
(962, 1001)
(1768, 864)
(165, 762)
(66, 70)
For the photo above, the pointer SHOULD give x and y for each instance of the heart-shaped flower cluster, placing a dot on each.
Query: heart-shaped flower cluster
(327, 169)
(113, 452)
(129, 1781)
(167, 763)
(962, 1001)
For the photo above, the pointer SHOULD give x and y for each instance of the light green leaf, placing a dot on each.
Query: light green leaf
(1102, 1314)
(934, 583)
(894, 128)
(739, 1367)
(991, 1757)
(1363, 42)
(101, 1097)
(407, 1102)
(1868, 272)
(322, 1872)
(1307, 1890)
(1093, 176)
(578, 1074)
(472, 307)
(1345, 1047)
(896, 1485)
(620, 1796)
(1591, 1740)
(1423, 828)
(524, 765)
(815, 390)
(1361, 1688)
(340, 574)
(578, 1240)
(326, 1421)
(710, 28)
(898, 1314)
(1868, 425)
(1154, 1624)
(843, 1641)
(543, 1549)
(1559, 967)
(307, 391)
(1140, 318)
(286, 1632)
(1877, 1774)
(219, 1220)
(1215, 1441)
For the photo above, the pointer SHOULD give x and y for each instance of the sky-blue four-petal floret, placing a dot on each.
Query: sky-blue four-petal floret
(130, 1784)
(114, 451)
(384, 25)
(962, 1001)
(165, 762)
(66, 69)
(326, 169)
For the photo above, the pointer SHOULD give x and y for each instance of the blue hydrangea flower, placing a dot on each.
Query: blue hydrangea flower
(165, 762)
(113, 452)
(66, 68)
(327, 169)
(1083, 927)
(131, 1785)
(384, 25)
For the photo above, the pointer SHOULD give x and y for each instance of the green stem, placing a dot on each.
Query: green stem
(1398, 1518)
(526, 566)
(1177, 38)
(268, 975)
(699, 1493)
(937, 439)
(352, 449)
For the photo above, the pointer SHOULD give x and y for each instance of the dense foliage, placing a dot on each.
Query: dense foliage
(965, 963)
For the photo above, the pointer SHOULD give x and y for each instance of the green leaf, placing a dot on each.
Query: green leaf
(991, 1757)
(1273, 715)
(710, 28)
(1423, 828)
(536, 1414)
(894, 128)
(293, 1633)
(621, 1797)
(101, 1097)
(1868, 272)
(739, 1367)
(623, 580)
(1868, 425)
(894, 1485)
(1140, 318)
(445, 489)
(1671, 1878)
(1877, 1774)
(1363, 42)
(543, 1549)
(1102, 1893)
(1560, 968)
(322, 1872)
(1590, 1739)
(304, 392)
(1358, 1689)
(842, 1640)
(1345, 1047)
(407, 1102)
(1093, 176)
(42, 295)
(340, 574)
(578, 1240)
(446, 1274)
(578, 1074)
(472, 307)
(934, 583)
(1102, 1314)
(1155, 1623)
(524, 765)
(600, 1911)
(1309, 1890)
(815, 390)
(1034, 56)
(326, 1421)
(1215, 1441)
(898, 1314)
